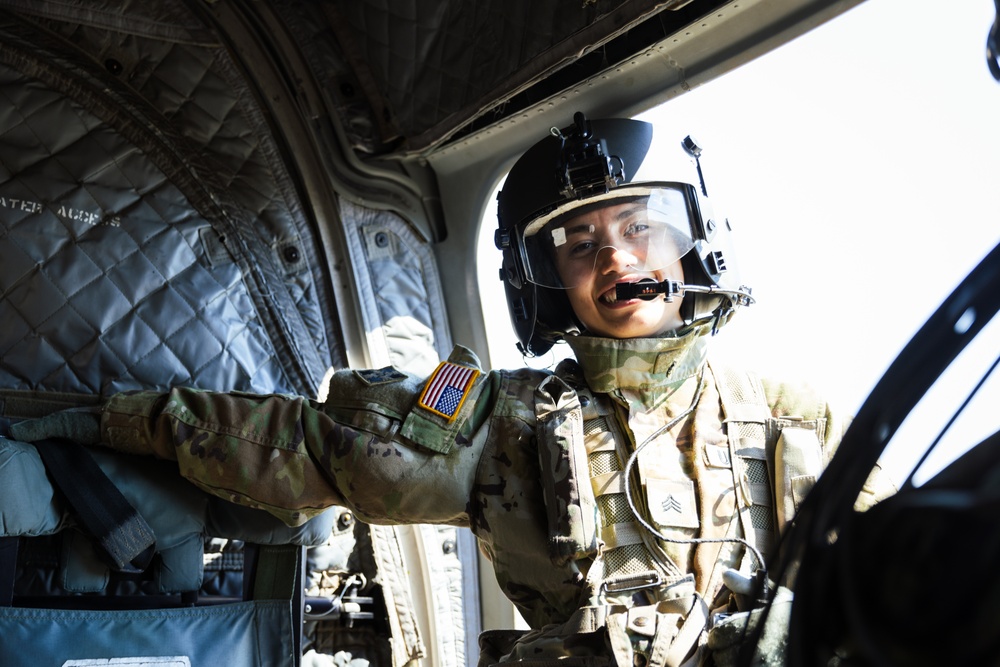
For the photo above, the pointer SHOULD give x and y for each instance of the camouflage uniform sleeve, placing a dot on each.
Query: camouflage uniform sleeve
(368, 447)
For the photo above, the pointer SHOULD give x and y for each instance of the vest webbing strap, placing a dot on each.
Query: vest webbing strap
(611, 482)
(747, 414)
(687, 636)
(600, 441)
(123, 538)
(621, 534)
(743, 398)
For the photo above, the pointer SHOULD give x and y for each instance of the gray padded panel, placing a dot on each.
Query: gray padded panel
(107, 281)
(401, 300)
(426, 68)
(134, 257)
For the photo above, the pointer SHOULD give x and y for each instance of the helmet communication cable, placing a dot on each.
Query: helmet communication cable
(645, 524)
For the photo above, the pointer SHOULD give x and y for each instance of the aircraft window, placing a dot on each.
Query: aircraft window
(959, 409)
(860, 184)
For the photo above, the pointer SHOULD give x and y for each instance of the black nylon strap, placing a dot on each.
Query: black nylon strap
(123, 537)
(276, 572)
(8, 567)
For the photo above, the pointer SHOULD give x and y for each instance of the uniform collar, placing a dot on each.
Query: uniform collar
(643, 364)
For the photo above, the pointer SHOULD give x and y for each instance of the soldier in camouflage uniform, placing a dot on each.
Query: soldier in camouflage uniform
(621, 498)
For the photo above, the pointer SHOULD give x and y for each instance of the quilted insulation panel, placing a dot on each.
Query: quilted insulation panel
(150, 235)
(425, 69)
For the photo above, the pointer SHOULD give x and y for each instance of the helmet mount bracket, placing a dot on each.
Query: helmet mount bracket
(585, 168)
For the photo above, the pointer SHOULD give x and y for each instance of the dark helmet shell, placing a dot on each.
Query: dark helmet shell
(584, 159)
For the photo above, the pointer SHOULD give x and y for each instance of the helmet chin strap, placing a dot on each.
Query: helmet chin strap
(649, 289)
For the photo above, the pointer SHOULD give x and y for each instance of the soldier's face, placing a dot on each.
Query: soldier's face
(613, 258)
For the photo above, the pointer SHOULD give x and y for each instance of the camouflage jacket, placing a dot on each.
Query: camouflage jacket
(500, 453)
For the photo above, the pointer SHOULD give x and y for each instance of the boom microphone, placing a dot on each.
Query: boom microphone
(648, 289)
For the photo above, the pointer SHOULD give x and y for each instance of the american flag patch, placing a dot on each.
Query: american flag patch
(447, 388)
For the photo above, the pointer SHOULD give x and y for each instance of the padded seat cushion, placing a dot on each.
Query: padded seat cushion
(179, 514)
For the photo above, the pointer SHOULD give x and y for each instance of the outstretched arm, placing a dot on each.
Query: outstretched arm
(291, 456)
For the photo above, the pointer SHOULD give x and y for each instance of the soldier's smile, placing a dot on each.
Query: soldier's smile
(610, 297)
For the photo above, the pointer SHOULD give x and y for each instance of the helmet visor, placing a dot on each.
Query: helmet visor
(633, 229)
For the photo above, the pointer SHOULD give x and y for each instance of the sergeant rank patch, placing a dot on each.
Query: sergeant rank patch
(447, 388)
(385, 375)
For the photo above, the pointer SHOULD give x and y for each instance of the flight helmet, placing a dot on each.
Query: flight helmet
(589, 165)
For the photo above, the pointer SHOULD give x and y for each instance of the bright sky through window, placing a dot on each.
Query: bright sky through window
(858, 166)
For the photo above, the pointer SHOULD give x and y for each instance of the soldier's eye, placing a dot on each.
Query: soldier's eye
(581, 248)
(636, 228)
